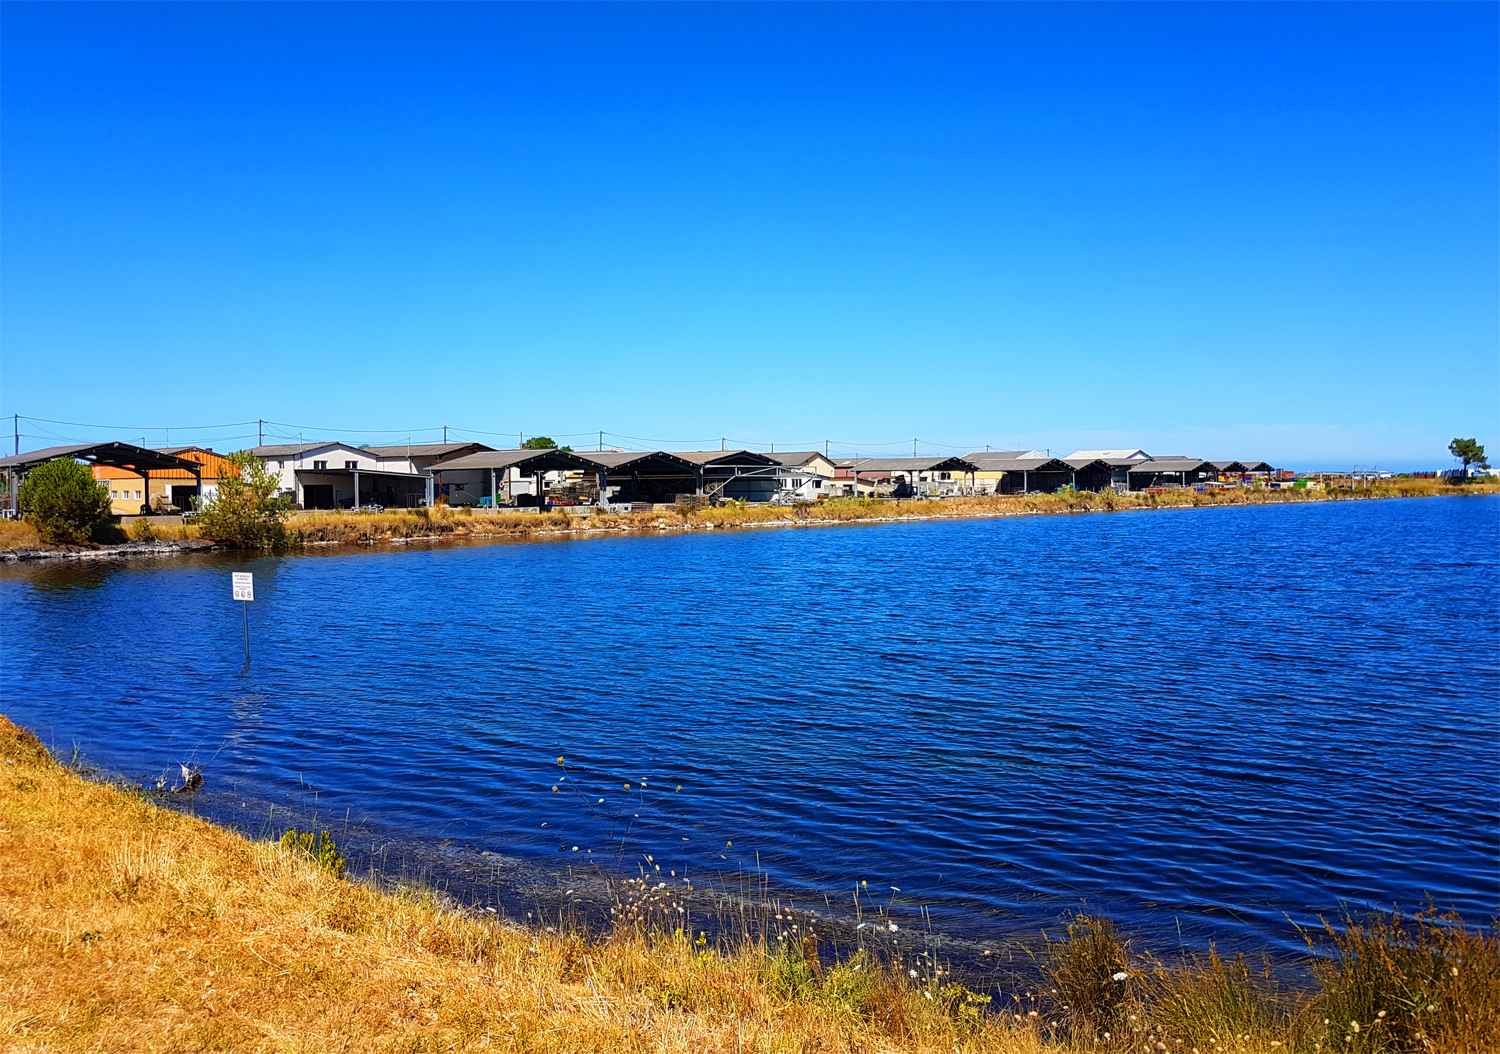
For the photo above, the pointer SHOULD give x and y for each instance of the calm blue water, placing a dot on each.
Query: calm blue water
(1197, 720)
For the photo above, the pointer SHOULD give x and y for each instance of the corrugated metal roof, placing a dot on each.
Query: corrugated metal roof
(617, 460)
(725, 457)
(423, 449)
(1109, 455)
(1000, 463)
(1171, 464)
(535, 460)
(118, 455)
(908, 464)
(797, 457)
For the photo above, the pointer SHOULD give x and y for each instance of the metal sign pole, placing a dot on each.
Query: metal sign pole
(243, 584)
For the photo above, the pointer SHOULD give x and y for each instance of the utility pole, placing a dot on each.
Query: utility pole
(17, 424)
(261, 426)
(825, 448)
(721, 444)
(601, 439)
(913, 448)
(445, 433)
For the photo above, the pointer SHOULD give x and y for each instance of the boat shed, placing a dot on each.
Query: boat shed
(1023, 472)
(141, 461)
(494, 475)
(923, 475)
(740, 475)
(643, 475)
(1171, 472)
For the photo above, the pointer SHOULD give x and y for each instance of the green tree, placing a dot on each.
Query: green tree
(1469, 452)
(64, 502)
(543, 443)
(246, 512)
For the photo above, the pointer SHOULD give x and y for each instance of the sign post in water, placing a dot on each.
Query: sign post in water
(244, 590)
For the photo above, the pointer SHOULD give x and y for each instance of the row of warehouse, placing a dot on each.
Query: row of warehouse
(336, 475)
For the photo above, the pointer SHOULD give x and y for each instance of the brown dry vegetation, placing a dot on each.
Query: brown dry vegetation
(18, 534)
(371, 528)
(127, 926)
(346, 528)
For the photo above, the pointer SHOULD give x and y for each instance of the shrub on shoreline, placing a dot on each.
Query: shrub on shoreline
(64, 502)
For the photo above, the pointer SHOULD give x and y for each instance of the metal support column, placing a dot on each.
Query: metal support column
(494, 494)
(356, 489)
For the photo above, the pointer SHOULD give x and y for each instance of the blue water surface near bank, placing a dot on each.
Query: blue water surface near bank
(1200, 721)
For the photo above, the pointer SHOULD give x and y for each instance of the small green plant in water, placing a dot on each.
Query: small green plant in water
(319, 847)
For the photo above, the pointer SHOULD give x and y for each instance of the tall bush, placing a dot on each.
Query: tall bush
(64, 502)
(246, 513)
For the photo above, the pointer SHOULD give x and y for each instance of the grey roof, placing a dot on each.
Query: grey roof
(725, 457)
(908, 464)
(1170, 464)
(1006, 462)
(1012, 455)
(116, 455)
(796, 457)
(293, 449)
(533, 460)
(1109, 456)
(1242, 466)
(618, 460)
(422, 449)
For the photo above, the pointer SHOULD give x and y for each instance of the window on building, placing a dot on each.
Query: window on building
(319, 466)
(137, 495)
(817, 484)
(351, 465)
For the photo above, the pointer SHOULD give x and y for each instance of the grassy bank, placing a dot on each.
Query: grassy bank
(347, 528)
(370, 528)
(127, 926)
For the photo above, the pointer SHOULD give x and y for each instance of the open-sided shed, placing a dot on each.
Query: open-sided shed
(491, 472)
(916, 472)
(1024, 474)
(643, 475)
(1171, 472)
(127, 456)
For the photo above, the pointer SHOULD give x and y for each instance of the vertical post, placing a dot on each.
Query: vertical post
(356, 488)
(602, 476)
(17, 424)
(245, 612)
(494, 494)
(601, 439)
(445, 433)
(260, 426)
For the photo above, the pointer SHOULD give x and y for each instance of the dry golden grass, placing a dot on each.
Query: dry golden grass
(18, 534)
(372, 528)
(128, 927)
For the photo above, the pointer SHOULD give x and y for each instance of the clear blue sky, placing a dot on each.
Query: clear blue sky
(1231, 230)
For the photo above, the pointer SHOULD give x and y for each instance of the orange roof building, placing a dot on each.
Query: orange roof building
(173, 487)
